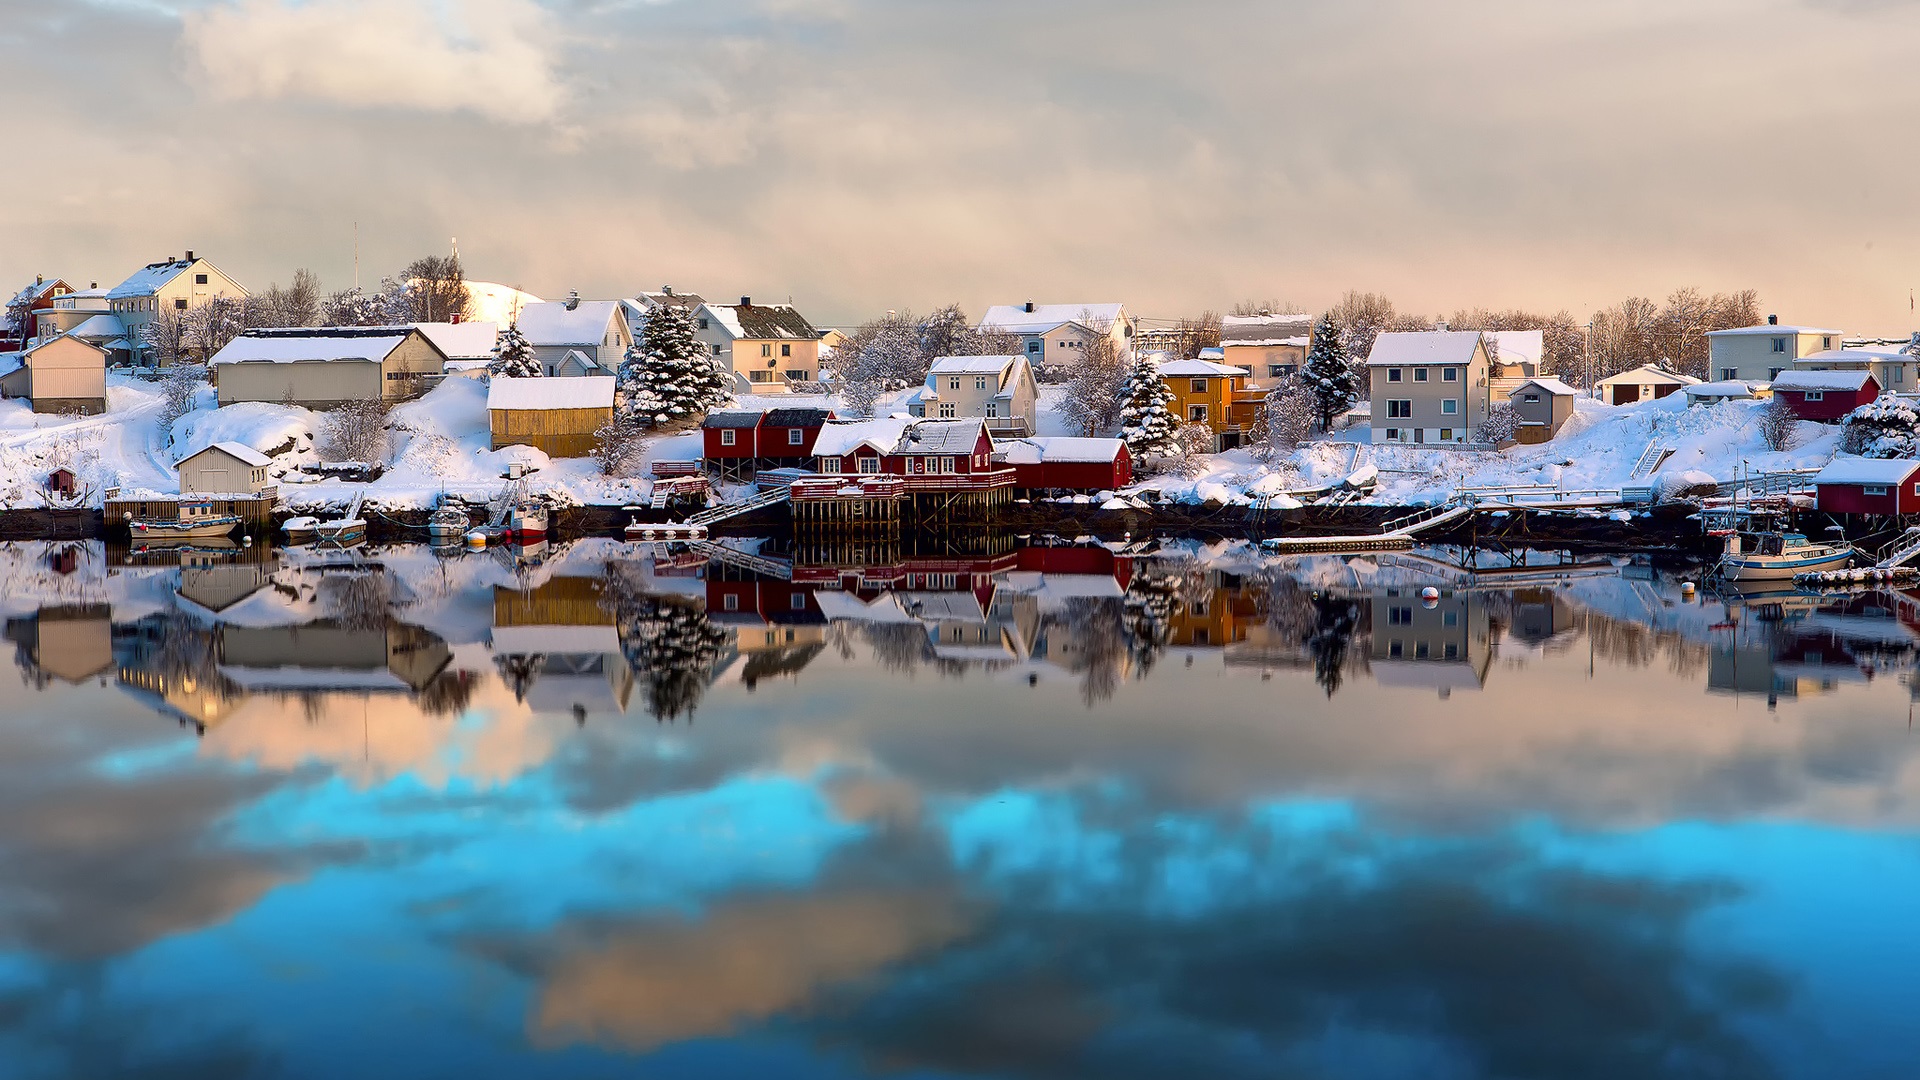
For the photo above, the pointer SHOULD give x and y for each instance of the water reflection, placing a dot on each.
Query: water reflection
(1031, 807)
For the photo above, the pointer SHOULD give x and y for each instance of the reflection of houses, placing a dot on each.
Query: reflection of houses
(329, 656)
(170, 667)
(774, 626)
(1539, 618)
(558, 646)
(70, 644)
(1215, 614)
(1443, 644)
(217, 580)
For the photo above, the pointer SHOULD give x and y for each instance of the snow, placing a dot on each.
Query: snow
(497, 304)
(1729, 388)
(1771, 328)
(1264, 330)
(1798, 379)
(1857, 470)
(148, 280)
(1016, 319)
(586, 325)
(1058, 449)
(1647, 374)
(970, 365)
(1854, 357)
(1412, 348)
(280, 432)
(581, 392)
(840, 438)
(99, 326)
(462, 341)
(941, 437)
(1551, 386)
(246, 455)
(288, 348)
(1185, 368)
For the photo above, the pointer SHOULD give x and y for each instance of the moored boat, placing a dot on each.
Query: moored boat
(527, 521)
(448, 524)
(340, 531)
(197, 521)
(1775, 556)
(299, 530)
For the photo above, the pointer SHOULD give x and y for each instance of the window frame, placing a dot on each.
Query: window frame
(729, 437)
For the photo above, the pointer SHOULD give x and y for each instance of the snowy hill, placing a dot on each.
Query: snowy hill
(490, 302)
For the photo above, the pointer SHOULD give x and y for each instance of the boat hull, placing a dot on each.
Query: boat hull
(1782, 567)
(153, 531)
(340, 532)
(527, 524)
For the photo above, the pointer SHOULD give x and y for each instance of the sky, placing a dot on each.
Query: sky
(861, 155)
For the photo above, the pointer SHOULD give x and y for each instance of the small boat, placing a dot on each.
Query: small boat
(197, 521)
(341, 531)
(299, 530)
(527, 520)
(1775, 556)
(659, 531)
(448, 524)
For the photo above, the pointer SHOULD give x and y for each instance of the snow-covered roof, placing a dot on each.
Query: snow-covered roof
(1647, 374)
(1519, 346)
(1800, 379)
(462, 341)
(1257, 330)
(970, 365)
(1397, 348)
(551, 323)
(941, 436)
(151, 278)
(758, 322)
(326, 343)
(1771, 328)
(1551, 386)
(1726, 388)
(1858, 470)
(99, 326)
(1213, 352)
(1197, 367)
(553, 392)
(1016, 319)
(842, 437)
(1856, 355)
(1033, 451)
(241, 452)
(551, 639)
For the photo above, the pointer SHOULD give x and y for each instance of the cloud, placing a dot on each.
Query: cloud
(496, 58)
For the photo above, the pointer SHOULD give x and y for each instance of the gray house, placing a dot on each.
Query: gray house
(1542, 405)
(577, 337)
(1429, 386)
(324, 367)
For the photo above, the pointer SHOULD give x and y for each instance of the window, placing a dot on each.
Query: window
(730, 602)
(1393, 434)
(180, 303)
(1393, 374)
(1422, 650)
(1523, 397)
(993, 410)
(830, 465)
(946, 410)
(799, 375)
(797, 602)
(716, 350)
(1446, 434)
(766, 350)
(786, 350)
(759, 375)
(953, 382)
(1033, 348)
(728, 436)
(1729, 374)
(1452, 405)
(703, 326)
(1874, 489)
(1395, 650)
(1197, 414)
(796, 437)
(1419, 374)
(199, 279)
(1449, 374)
(1275, 371)
(1814, 395)
(1826, 343)
(1453, 650)
(1199, 386)
(1399, 408)
(979, 382)
(1774, 372)
(946, 465)
(1779, 344)
(1400, 616)
(870, 465)
(1450, 618)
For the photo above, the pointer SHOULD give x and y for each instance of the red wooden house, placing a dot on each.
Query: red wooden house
(1067, 464)
(786, 436)
(729, 441)
(897, 446)
(1825, 395)
(740, 442)
(1851, 485)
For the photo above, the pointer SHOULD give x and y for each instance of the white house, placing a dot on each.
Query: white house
(767, 347)
(575, 336)
(225, 468)
(171, 284)
(1758, 353)
(1644, 383)
(1000, 389)
(1056, 335)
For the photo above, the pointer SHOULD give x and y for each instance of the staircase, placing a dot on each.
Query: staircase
(713, 515)
(1650, 460)
(779, 569)
(1900, 551)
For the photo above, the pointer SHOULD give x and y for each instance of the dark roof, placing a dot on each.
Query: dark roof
(731, 420)
(772, 321)
(797, 416)
(329, 331)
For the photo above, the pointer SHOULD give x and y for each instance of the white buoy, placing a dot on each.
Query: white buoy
(1429, 593)
(1686, 588)
(476, 539)
(246, 540)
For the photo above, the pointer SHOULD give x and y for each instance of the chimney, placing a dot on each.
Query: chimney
(1029, 307)
(666, 290)
(189, 254)
(95, 285)
(746, 301)
(573, 299)
(39, 279)
(1441, 325)
(1773, 320)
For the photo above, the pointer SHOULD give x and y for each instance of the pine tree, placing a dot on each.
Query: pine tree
(1328, 375)
(1147, 425)
(513, 356)
(670, 378)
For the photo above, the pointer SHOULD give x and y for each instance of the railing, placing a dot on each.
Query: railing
(663, 469)
(1789, 482)
(1899, 555)
(868, 486)
(1015, 426)
(715, 514)
(1548, 493)
(1424, 516)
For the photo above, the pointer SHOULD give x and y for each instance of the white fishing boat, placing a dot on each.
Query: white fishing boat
(527, 520)
(1775, 556)
(197, 521)
(341, 531)
(448, 524)
(299, 530)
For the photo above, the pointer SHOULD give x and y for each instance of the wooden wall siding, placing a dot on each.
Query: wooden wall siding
(555, 432)
(561, 601)
(256, 515)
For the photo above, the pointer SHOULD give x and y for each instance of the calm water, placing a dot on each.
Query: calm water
(1034, 812)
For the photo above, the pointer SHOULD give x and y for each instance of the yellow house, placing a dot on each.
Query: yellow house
(767, 346)
(1203, 393)
(62, 375)
(169, 285)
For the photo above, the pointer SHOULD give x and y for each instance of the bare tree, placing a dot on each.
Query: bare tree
(1287, 416)
(165, 337)
(357, 431)
(880, 357)
(1777, 424)
(1365, 316)
(1499, 426)
(209, 326)
(618, 445)
(1263, 307)
(1198, 332)
(179, 392)
(1093, 398)
(438, 289)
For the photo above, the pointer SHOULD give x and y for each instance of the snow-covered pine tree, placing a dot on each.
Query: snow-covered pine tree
(1888, 427)
(672, 379)
(1328, 375)
(1147, 425)
(513, 356)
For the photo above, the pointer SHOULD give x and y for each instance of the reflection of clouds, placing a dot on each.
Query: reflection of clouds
(640, 986)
